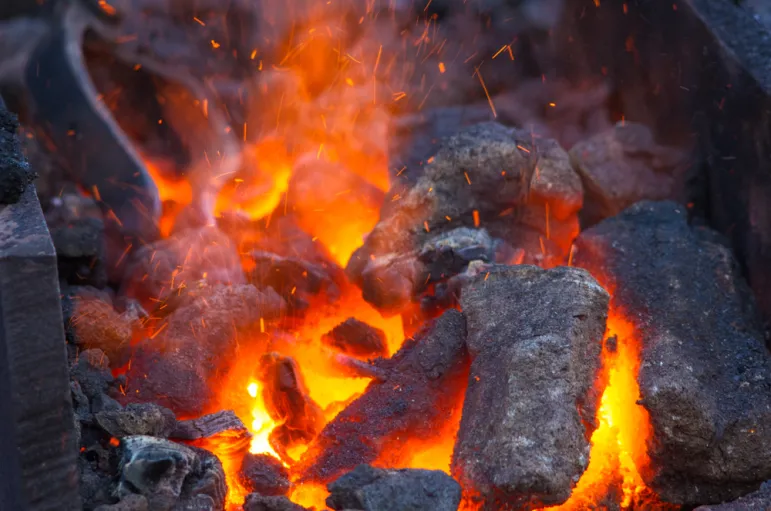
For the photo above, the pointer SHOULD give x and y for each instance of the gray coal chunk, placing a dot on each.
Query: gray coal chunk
(486, 175)
(257, 502)
(422, 389)
(264, 474)
(137, 419)
(208, 425)
(92, 371)
(168, 474)
(16, 173)
(705, 372)
(357, 338)
(622, 166)
(756, 501)
(373, 489)
(128, 503)
(91, 321)
(535, 339)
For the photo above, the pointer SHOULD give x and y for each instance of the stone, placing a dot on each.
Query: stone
(257, 502)
(264, 474)
(169, 474)
(535, 339)
(374, 489)
(423, 387)
(137, 419)
(357, 338)
(705, 371)
(756, 501)
(476, 178)
(127, 503)
(622, 166)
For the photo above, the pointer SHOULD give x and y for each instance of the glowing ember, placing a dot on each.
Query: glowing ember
(262, 424)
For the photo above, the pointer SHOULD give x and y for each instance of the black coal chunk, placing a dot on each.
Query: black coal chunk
(92, 372)
(209, 425)
(15, 172)
(127, 503)
(137, 419)
(705, 373)
(170, 475)
(373, 489)
(756, 501)
(423, 387)
(535, 338)
(257, 502)
(357, 338)
(264, 474)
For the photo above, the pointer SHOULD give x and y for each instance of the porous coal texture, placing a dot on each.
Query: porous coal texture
(424, 384)
(622, 166)
(705, 374)
(757, 501)
(15, 173)
(257, 502)
(373, 489)
(535, 340)
(484, 176)
(91, 321)
(170, 475)
(196, 340)
(357, 338)
(264, 474)
(137, 419)
(209, 425)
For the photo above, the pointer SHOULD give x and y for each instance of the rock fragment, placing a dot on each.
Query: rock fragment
(705, 371)
(535, 339)
(372, 489)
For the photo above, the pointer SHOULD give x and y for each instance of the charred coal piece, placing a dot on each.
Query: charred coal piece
(16, 174)
(373, 489)
(756, 501)
(92, 322)
(157, 270)
(92, 372)
(137, 419)
(257, 502)
(288, 403)
(704, 368)
(173, 369)
(264, 474)
(168, 474)
(127, 503)
(622, 166)
(209, 425)
(357, 338)
(535, 338)
(425, 383)
(478, 177)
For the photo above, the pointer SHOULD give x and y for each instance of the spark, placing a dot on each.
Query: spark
(199, 21)
(489, 99)
(475, 214)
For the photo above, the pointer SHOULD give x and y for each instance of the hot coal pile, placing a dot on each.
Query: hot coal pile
(344, 258)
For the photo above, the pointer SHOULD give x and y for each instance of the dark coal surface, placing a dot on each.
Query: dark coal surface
(357, 338)
(756, 501)
(15, 173)
(264, 474)
(535, 338)
(367, 488)
(705, 375)
(257, 502)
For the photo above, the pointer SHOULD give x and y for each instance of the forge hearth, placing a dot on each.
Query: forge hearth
(376, 256)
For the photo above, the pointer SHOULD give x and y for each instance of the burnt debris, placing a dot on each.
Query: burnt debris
(368, 488)
(704, 369)
(264, 474)
(535, 339)
(424, 384)
(358, 339)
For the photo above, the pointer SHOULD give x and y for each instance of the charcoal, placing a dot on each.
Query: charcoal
(169, 474)
(357, 338)
(519, 189)
(157, 270)
(295, 279)
(208, 425)
(374, 489)
(92, 322)
(17, 174)
(80, 404)
(257, 502)
(756, 501)
(264, 474)
(77, 230)
(96, 486)
(194, 342)
(288, 403)
(425, 383)
(535, 339)
(137, 419)
(197, 503)
(622, 166)
(103, 403)
(128, 503)
(92, 371)
(357, 368)
(704, 370)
